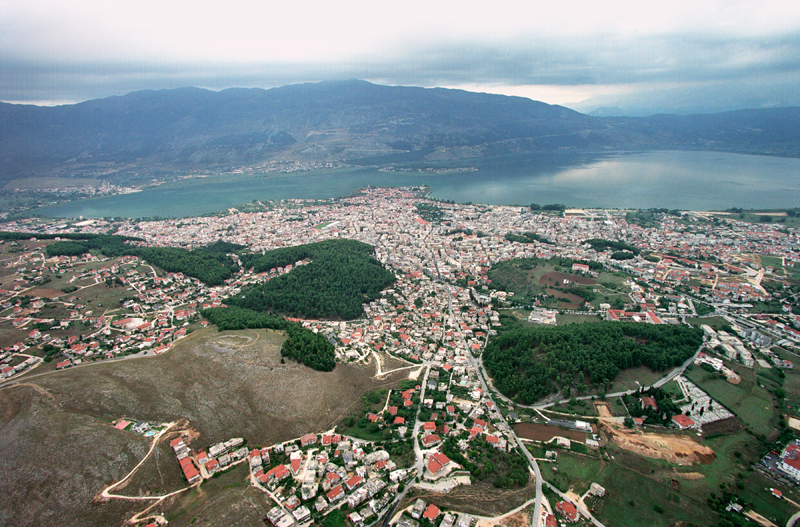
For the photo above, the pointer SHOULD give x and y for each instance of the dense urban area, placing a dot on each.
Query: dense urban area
(538, 365)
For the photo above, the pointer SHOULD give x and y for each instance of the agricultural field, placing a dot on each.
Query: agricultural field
(57, 425)
(759, 217)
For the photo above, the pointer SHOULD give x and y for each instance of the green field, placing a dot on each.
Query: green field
(751, 403)
(626, 379)
(635, 486)
(672, 387)
(563, 320)
(732, 468)
(753, 216)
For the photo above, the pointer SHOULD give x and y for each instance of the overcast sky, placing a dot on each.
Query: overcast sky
(57, 51)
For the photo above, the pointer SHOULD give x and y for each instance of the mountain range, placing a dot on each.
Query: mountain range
(191, 130)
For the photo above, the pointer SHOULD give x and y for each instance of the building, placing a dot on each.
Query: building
(568, 511)
(683, 421)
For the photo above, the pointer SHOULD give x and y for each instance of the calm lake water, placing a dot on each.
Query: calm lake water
(675, 180)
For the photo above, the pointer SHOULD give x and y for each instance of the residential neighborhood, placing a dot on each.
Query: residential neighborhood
(444, 424)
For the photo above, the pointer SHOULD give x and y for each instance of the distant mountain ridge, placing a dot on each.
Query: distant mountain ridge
(192, 129)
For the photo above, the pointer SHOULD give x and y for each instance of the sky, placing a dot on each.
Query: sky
(578, 53)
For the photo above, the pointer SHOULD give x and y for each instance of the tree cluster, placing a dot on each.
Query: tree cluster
(527, 237)
(210, 264)
(507, 469)
(666, 406)
(622, 255)
(430, 212)
(530, 363)
(340, 277)
(600, 245)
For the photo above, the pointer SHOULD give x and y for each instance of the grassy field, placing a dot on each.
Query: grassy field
(751, 403)
(754, 216)
(563, 320)
(35, 183)
(672, 387)
(634, 489)
(586, 409)
(57, 429)
(626, 380)
(575, 472)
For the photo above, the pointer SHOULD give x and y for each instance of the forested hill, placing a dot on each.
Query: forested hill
(149, 133)
(529, 364)
(339, 276)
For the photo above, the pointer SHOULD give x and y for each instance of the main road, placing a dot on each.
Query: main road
(536, 520)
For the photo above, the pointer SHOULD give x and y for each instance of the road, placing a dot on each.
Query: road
(106, 493)
(487, 393)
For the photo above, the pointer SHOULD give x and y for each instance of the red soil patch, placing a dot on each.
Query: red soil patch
(570, 301)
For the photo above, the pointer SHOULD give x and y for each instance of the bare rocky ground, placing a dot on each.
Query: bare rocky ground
(59, 449)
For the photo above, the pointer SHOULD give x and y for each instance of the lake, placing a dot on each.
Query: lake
(674, 180)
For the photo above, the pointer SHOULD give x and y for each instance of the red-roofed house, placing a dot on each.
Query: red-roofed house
(278, 473)
(335, 494)
(431, 440)
(295, 466)
(682, 421)
(568, 510)
(649, 402)
(431, 513)
(353, 482)
(331, 479)
(437, 462)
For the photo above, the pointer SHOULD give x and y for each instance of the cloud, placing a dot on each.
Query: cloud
(84, 49)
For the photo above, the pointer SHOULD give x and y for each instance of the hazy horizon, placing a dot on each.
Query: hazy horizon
(716, 55)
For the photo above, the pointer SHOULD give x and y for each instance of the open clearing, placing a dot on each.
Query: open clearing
(556, 279)
(680, 450)
(57, 427)
(539, 432)
(482, 499)
(603, 409)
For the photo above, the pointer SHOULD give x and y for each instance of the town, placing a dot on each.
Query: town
(735, 279)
